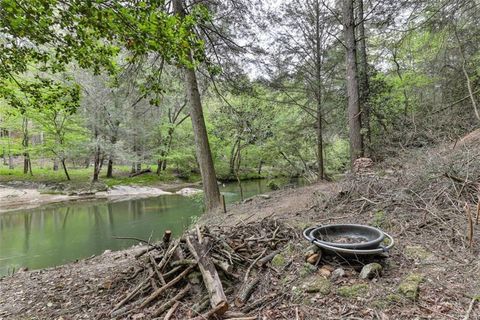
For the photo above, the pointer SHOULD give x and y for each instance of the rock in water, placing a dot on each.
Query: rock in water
(371, 270)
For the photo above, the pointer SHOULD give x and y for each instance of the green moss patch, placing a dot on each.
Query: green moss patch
(409, 287)
(318, 285)
(353, 291)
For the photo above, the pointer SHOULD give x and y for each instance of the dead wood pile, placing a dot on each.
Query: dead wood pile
(215, 272)
(425, 195)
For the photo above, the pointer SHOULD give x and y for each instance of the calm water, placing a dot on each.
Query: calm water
(55, 235)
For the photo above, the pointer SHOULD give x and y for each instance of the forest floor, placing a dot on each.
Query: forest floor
(421, 198)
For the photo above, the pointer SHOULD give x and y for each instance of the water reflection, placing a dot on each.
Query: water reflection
(55, 235)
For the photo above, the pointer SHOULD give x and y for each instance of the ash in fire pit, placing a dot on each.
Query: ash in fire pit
(345, 239)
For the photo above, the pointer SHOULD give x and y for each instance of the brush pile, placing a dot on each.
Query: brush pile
(213, 272)
(426, 195)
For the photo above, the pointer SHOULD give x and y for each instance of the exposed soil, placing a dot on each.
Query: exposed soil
(432, 273)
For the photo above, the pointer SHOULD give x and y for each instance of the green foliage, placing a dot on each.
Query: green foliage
(337, 156)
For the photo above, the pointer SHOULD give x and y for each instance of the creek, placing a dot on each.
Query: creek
(58, 234)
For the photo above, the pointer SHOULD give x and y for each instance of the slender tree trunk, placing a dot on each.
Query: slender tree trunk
(113, 141)
(25, 143)
(204, 155)
(237, 172)
(110, 168)
(354, 118)
(159, 164)
(10, 156)
(96, 160)
(55, 164)
(162, 162)
(96, 164)
(467, 77)
(64, 166)
(169, 148)
(399, 74)
(363, 73)
(318, 92)
(233, 154)
(260, 164)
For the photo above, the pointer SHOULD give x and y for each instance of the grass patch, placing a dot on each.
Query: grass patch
(84, 175)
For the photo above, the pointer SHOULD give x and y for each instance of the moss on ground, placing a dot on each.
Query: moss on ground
(409, 287)
(353, 291)
(307, 269)
(417, 252)
(278, 260)
(318, 285)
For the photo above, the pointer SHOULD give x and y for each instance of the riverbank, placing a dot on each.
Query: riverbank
(420, 279)
(22, 196)
(430, 273)
(19, 191)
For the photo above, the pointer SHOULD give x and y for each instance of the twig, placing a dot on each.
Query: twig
(172, 301)
(162, 289)
(171, 311)
(252, 264)
(470, 308)
(469, 225)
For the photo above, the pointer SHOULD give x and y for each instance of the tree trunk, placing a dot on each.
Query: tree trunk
(363, 73)
(64, 166)
(55, 164)
(169, 147)
(4, 155)
(113, 141)
(237, 170)
(399, 74)
(97, 164)
(354, 118)
(318, 91)
(10, 161)
(110, 168)
(202, 147)
(233, 154)
(260, 164)
(10, 156)
(27, 164)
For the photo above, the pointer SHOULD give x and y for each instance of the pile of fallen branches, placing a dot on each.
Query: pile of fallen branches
(426, 195)
(213, 272)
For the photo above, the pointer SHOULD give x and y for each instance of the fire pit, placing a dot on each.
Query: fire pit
(349, 239)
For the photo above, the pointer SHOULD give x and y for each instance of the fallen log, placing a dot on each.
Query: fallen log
(263, 261)
(245, 292)
(131, 175)
(212, 282)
